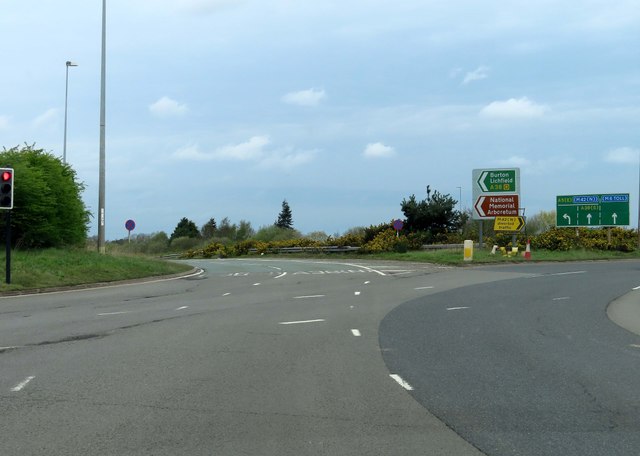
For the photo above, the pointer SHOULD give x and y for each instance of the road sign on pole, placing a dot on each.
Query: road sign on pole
(592, 210)
(512, 224)
(496, 192)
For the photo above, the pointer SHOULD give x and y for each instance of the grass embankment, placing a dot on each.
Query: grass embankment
(57, 268)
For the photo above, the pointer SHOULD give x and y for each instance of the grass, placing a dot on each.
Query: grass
(58, 268)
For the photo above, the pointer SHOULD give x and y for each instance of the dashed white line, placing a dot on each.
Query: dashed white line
(636, 288)
(567, 273)
(357, 293)
(563, 298)
(401, 382)
(634, 345)
(367, 282)
(457, 308)
(114, 313)
(301, 322)
(308, 297)
(256, 284)
(226, 294)
(280, 276)
(423, 288)
(356, 332)
(22, 384)
(182, 308)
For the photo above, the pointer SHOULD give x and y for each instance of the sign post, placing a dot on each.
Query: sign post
(398, 225)
(130, 225)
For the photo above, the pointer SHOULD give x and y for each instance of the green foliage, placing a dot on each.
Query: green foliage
(244, 231)
(185, 228)
(564, 239)
(434, 215)
(541, 222)
(285, 218)
(274, 233)
(48, 208)
(386, 241)
(209, 229)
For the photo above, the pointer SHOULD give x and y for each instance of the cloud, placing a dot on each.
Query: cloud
(166, 107)
(521, 108)
(309, 97)
(378, 150)
(50, 116)
(4, 122)
(254, 150)
(482, 72)
(542, 166)
(623, 155)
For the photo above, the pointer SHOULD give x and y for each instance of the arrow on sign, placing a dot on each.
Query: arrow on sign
(483, 186)
(589, 219)
(615, 217)
(567, 218)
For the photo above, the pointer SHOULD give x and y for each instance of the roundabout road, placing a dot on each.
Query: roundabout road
(527, 366)
(285, 357)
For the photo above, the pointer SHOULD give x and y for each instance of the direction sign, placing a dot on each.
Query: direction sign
(489, 206)
(489, 185)
(508, 224)
(592, 210)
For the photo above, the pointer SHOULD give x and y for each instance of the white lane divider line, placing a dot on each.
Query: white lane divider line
(636, 288)
(563, 298)
(226, 294)
(634, 345)
(301, 322)
(423, 288)
(567, 273)
(356, 332)
(22, 384)
(256, 284)
(457, 308)
(401, 382)
(308, 297)
(182, 308)
(357, 293)
(281, 275)
(367, 282)
(114, 313)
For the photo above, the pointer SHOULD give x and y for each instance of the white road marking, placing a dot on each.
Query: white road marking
(308, 297)
(367, 268)
(457, 308)
(256, 284)
(301, 322)
(355, 332)
(357, 293)
(22, 384)
(226, 294)
(12, 347)
(367, 282)
(423, 288)
(563, 298)
(276, 268)
(182, 308)
(281, 275)
(114, 313)
(352, 307)
(567, 273)
(636, 288)
(401, 382)
(634, 345)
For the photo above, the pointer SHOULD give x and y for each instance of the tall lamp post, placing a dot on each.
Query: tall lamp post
(66, 97)
(101, 184)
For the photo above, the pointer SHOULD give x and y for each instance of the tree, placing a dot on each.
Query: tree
(185, 228)
(48, 208)
(244, 231)
(227, 229)
(208, 230)
(435, 215)
(285, 219)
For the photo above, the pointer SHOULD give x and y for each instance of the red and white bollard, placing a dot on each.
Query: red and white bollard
(527, 252)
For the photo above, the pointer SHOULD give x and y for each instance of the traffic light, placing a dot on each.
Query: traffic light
(6, 188)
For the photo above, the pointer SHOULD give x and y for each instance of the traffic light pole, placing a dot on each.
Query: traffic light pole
(7, 235)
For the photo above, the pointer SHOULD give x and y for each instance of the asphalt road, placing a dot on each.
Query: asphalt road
(528, 366)
(291, 358)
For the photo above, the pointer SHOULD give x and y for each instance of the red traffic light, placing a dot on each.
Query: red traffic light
(6, 176)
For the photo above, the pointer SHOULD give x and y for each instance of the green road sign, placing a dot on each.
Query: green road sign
(592, 210)
(498, 181)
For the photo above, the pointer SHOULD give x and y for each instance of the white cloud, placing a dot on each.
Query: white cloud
(309, 97)
(521, 108)
(4, 122)
(166, 107)
(378, 150)
(541, 166)
(623, 155)
(254, 150)
(517, 161)
(482, 72)
(50, 116)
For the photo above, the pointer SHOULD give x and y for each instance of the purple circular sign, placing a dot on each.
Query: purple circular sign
(130, 225)
(398, 225)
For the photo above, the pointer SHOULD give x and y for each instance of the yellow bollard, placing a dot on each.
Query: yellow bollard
(468, 250)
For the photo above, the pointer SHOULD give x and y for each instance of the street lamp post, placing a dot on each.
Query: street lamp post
(101, 183)
(66, 96)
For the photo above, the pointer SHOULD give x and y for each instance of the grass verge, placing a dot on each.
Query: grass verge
(58, 268)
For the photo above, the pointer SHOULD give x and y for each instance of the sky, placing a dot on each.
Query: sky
(225, 108)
